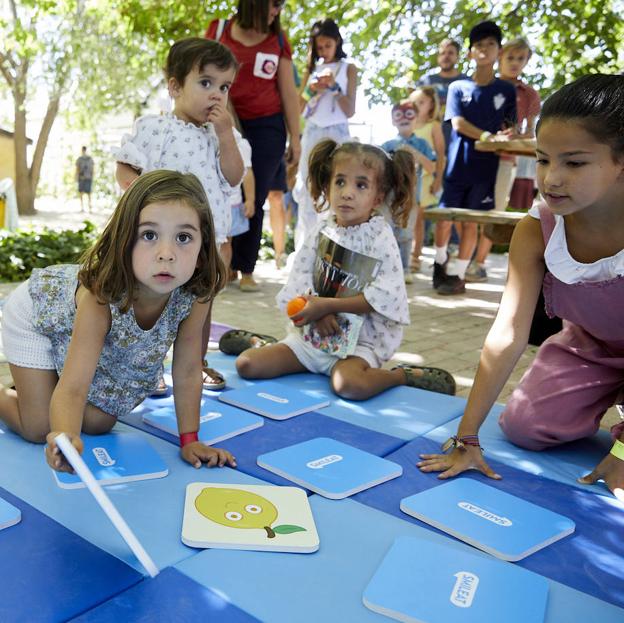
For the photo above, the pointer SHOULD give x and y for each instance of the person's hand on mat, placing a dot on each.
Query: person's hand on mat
(456, 462)
(197, 453)
(53, 453)
(611, 470)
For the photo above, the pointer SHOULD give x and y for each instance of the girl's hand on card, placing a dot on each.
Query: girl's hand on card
(456, 462)
(611, 470)
(197, 453)
(53, 453)
(220, 118)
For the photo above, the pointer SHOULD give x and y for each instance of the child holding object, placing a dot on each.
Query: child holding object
(571, 245)
(351, 264)
(85, 343)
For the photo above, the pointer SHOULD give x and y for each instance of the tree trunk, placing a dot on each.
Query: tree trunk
(23, 185)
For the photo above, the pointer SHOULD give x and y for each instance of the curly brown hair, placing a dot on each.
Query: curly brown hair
(395, 174)
(106, 268)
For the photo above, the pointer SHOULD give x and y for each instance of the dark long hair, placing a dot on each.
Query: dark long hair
(254, 15)
(324, 28)
(597, 103)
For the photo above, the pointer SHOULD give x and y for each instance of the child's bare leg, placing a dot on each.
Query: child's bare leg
(419, 234)
(267, 362)
(26, 409)
(225, 251)
(354, 379)
(96, 421)
(211, 376)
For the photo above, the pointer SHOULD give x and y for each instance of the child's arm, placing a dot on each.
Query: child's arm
(322, 311)
(69, 399)
(440, 150)
(504, 344)
(125, 175)
(290, 105)
(346, 101)
(230, 158)
(249, 187)
(187, 389)
(470, 130)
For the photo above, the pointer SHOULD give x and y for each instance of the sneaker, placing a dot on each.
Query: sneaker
(452, 285)
(408, 278)
(476, 273)
(439, 274)
(248, 284)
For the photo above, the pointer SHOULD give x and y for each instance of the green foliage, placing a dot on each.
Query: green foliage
(23, 250)
(267, 252)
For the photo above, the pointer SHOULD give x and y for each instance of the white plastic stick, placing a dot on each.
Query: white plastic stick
(75, 460)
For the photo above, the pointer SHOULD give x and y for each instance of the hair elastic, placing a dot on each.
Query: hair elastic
(186, 438)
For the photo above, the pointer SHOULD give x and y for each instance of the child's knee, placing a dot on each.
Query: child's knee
(245, 366)
(524, 432)
(348, 387)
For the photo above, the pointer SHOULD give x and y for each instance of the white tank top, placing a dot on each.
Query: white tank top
(328, 112)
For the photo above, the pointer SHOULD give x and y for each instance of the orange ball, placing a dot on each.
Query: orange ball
(295, 305)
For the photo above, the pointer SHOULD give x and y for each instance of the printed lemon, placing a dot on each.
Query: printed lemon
(295, 305)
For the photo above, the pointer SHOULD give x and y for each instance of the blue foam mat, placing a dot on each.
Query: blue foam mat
(170, 596)
(51, 574)
(274, 435)
(152, 508)
(564, 463)
(590, 560)
(328, 585)
(403, 412)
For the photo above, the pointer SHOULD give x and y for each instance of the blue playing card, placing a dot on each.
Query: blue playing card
(494, 521)
(424, 581)
(273, 400)
(330, 468)
(115, 458)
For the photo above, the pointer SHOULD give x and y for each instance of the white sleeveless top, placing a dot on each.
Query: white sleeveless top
(565, 268)
(328, 112)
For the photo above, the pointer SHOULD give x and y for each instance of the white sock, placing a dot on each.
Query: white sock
(440, 254)
(460, 267)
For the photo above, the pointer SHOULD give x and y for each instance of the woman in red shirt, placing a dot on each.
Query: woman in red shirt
(265, 99)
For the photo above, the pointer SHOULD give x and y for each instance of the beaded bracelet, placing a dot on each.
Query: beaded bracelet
(186, 438)
(461, 442)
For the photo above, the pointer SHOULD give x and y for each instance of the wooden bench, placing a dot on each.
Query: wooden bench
(498, 226)
(516, 146)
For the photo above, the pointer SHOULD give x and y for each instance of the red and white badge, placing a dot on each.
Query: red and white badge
(265, 65)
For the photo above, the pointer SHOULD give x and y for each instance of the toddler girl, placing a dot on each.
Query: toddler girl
(351, 262)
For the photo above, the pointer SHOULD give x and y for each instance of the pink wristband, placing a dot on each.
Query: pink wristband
(186, 438)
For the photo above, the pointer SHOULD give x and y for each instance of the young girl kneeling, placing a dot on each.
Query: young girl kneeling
(85, 342)
(571, 245)
(352, 324)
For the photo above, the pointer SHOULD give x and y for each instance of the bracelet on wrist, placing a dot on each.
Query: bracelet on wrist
(461, 442)
(485, 135)
(618, 450)
(186, 438)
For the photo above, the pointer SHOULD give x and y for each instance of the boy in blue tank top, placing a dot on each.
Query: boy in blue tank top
(483, 108)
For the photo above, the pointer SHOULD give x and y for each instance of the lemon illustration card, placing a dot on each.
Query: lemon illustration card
(487, 518)
(426, 581)
(252, 517)
(328, 467)
(273, 400)
(115, 458)
(217, 421)
(9, 514)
